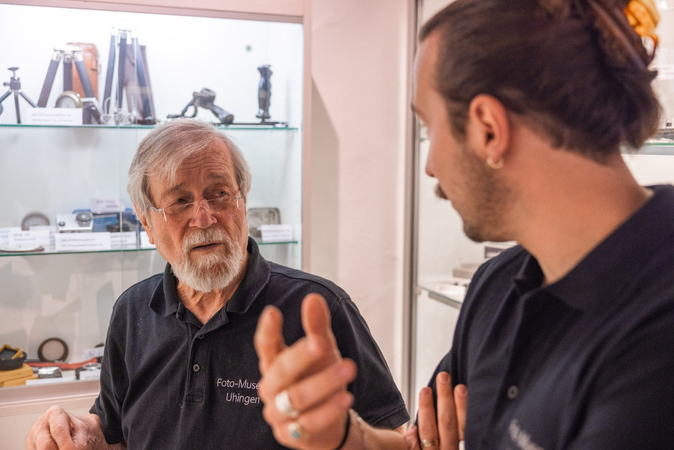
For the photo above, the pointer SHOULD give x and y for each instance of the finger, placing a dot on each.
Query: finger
(428, 428)
(461, 401)
(324, 425)
(290, 365)
(59, 427)
(412, 438)
(268, 338)
(316, 389)
(39, 436)
(316, 319)
(447, 421)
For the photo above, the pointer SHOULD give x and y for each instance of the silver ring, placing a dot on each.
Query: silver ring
(282, 402)
(427, 443)
(462, 445)
(296, 431)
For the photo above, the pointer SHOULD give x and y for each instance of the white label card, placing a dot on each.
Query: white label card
(106, 205)
(277, 233)
(82, 242)
(29, 238)
(53, 116)
(96, 352)
(145, 240)
(90, 374)
(123, 240)
(4, 233)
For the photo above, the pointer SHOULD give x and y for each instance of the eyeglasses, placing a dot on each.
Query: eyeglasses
(219, 203)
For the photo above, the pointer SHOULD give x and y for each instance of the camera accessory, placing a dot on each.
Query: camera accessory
(92, 367)
(33, 219)
(11, 357)
(49, 372)
(69, 99)
(262, 216)
(53, 349)
(205, 99)
(81, 221)
(264, 92)
(15, 88)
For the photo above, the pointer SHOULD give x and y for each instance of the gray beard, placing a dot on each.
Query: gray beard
(213, 271)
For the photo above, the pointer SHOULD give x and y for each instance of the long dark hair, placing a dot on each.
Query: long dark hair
(574, 69)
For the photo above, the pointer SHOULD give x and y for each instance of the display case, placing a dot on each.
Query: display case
(444, 258)
(56, 162)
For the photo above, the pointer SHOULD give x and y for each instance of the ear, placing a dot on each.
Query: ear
(146, 224)
(488, 128)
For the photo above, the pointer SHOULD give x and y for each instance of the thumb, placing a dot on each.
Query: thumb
(316, 319)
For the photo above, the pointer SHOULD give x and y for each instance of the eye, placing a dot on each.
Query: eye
(180, 201)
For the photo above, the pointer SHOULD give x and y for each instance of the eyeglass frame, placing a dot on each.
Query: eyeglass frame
(162, 211)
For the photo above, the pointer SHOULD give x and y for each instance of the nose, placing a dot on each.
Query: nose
(204, 216)
(429, 167)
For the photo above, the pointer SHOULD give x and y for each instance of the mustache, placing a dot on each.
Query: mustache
(439, 192)
(200, 237)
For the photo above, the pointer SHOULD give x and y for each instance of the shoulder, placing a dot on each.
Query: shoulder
(303, 283)
(498, 272)
(139, 294)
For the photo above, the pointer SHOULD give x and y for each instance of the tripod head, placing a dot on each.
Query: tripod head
(15, 88)
(14, 82)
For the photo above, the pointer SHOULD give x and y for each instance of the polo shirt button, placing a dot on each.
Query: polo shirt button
(201, 336)
(196, 367)
(513, 392)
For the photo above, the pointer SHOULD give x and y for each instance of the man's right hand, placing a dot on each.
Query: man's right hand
(57, 429)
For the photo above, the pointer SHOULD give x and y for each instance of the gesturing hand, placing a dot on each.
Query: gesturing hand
(303, 386)
(444, 430)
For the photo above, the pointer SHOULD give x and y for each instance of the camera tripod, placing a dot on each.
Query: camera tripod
(119, 37)
(67, 53)
(15, 88)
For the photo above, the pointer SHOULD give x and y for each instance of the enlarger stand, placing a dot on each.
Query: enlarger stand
(15, 88)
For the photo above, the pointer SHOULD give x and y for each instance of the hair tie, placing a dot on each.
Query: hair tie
(643, 16)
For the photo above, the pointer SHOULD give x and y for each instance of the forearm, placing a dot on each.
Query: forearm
(100, 442)
(365, 437)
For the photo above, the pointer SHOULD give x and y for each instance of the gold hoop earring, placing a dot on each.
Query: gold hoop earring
(495, 165)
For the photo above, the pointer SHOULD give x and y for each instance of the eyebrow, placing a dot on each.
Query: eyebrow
(178, 187)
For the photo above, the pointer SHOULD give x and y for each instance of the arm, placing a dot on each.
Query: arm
(315, 377)
(59, 430)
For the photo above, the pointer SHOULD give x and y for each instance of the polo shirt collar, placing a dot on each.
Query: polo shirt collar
(165, 300)
(603, 276)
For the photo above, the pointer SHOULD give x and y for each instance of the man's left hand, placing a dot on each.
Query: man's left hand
(444, 430)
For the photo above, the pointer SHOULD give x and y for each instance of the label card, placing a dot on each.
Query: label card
(4, 233)
(145, 240)
(96, 352)
(90, 374)
(29, 238)
(124, 239)
(277, 233)
(82, 242)
(105, 205)
(53, 116)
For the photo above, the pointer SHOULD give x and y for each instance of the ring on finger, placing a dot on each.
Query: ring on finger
(296, 430)
(462, 445)
(282, 402)
(427, 443)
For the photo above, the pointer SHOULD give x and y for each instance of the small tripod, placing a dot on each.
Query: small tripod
(68, 53)
(15, 87)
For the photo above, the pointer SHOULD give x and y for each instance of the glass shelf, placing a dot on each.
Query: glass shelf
(149, 127)
(455, 301)
(116, 250)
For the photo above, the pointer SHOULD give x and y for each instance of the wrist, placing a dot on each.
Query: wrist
(355, 439)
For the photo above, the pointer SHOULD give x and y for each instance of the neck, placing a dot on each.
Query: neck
(204, 305)
(569, 204)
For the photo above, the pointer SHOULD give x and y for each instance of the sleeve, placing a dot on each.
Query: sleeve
(632, 403)
(377, 399)
(114, 380)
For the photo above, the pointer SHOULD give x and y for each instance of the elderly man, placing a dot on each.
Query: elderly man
(180, 370)
(565, 341)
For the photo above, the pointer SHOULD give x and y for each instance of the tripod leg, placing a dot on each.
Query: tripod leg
(16, 105)
(49, 79)
(67, 73)
(5, 95)
(110, 73)
(25, 97)
(142, 82)
(84, 75)
(120, 69)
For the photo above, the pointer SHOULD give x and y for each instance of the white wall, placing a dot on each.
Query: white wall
(359, 71)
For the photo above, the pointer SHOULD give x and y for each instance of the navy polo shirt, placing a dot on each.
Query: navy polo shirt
(586, 362)
(169, 382)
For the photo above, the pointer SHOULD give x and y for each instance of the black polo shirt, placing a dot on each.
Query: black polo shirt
(584, 363)
(170, 383)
